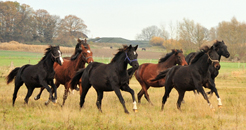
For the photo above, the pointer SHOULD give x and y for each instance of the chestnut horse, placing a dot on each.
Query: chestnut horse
(148, 71)
(66, 72)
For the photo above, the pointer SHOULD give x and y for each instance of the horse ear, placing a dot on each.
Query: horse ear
(79, 40)
(223, 42)
(130, 47)
(136, 47)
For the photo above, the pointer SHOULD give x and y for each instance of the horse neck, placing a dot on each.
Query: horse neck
(120, 63)
(79, 62)
(168, 63)
(202, 65)
(48, 63)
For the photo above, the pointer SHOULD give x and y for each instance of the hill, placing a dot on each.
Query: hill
(120, 40)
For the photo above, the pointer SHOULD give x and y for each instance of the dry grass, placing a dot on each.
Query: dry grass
(16, 46)
(195, 112)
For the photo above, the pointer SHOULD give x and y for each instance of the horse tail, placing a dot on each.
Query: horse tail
(12, 75)
(130, 72)
(76, 77)
(161, 75)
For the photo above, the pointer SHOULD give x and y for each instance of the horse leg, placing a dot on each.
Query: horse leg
(39, 94)
(180, 99)
(54, 90)
(214, 89)
(99, 99)
(18, 84)
(168, 89)
(118, 93)
(146, 95)
(140, 94)
(131, 91)
(85, 89)
(201, 90)
(29, 93)
(65, 93)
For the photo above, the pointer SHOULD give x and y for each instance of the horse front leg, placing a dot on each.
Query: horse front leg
(118, 93)
(131, 91)
(39, 94)
(201, 90)
(54, 90)
(214, 89)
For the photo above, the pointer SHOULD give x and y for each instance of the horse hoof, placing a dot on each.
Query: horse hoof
(54, 101)
(36, 98)
(219, 106)
(135, 110)
(46, 103)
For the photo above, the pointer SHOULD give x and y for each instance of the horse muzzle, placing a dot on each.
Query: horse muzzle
(217, 65)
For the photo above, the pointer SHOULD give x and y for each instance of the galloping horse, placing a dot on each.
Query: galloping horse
(66, 72)
(221, 49)
(108, 77)
(148, 71)
(191, 77)
(39, 75)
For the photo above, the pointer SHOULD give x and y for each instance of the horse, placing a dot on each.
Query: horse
(147, 71)
(109, 77)
(191, 77)
(39, 75)
(221, 48)
(143, 49)
(64, 73)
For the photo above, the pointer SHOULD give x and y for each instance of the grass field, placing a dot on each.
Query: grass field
(195, 113)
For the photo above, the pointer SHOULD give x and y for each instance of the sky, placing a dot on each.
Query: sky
(127, 18)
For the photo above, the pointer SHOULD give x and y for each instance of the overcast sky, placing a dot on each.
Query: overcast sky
(127, 18)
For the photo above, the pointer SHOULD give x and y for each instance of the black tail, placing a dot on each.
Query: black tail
(76, 77)
(130, 72)
(12, 75)
(161, 75)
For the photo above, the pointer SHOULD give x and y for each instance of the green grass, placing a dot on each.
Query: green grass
(195, 113)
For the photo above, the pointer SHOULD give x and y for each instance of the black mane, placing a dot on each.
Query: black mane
(117, 55)
(202, 51)
(48, 50)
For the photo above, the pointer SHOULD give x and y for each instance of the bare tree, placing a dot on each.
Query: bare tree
(149, 32)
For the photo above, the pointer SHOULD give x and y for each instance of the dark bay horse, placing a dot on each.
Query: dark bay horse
(221, 48)
(65, 73)
(148, 71)
(39, 75)
(109, 77)
(191, 77)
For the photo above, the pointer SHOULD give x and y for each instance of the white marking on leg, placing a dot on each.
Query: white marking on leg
(88, 51)
(219, 102)
(135, 105)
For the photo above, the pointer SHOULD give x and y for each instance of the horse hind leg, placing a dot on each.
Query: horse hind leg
(18, 84)
(99, 100)
(180, 99)
(29, 93)
(65, 94)
(85, 89)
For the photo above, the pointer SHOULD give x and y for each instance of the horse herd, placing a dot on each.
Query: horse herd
(193, 72)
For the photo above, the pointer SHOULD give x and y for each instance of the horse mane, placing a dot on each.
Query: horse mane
(218, 43)
(48, 50)
(202, 51)
(117, 55)
(163, 59)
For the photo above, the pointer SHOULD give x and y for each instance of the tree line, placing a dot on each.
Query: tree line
(190, 36)
(23, 24)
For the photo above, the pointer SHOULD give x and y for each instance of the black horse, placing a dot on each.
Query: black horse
(39, 75)
(108, 77)
(191, 77)
(221, 49)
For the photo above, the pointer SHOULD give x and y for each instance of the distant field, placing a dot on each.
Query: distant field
(196, 114)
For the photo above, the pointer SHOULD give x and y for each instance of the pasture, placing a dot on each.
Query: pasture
(195, 114)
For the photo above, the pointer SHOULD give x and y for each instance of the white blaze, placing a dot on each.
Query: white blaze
(60, 57)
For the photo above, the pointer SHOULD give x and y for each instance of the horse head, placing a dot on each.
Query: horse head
(213, 57)
(131, 56)
(221, 48)
(86, 52)
(180, 58)
(56, 54)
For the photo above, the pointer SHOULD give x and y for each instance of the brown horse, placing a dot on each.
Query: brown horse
(148, 71)
(66, 72)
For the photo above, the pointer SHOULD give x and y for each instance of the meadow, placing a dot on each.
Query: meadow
(195, 113)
